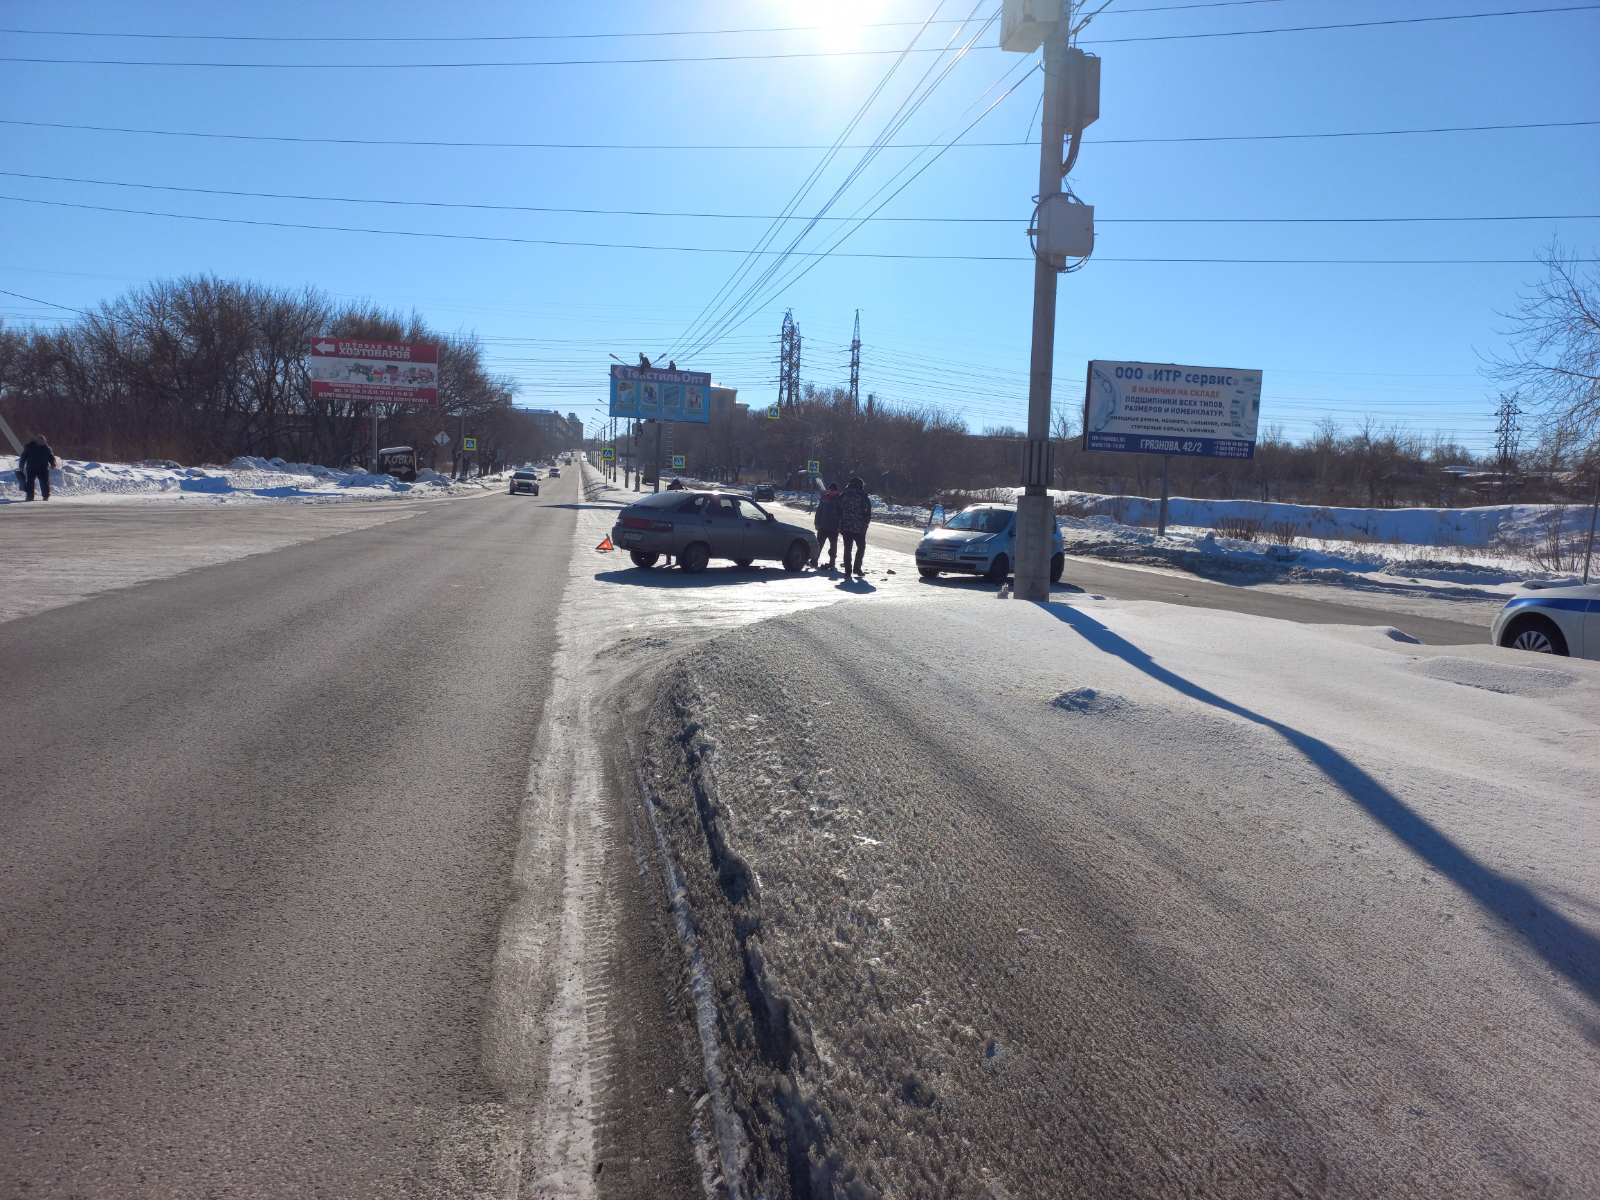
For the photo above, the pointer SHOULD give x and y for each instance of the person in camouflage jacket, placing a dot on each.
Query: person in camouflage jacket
(855, 514)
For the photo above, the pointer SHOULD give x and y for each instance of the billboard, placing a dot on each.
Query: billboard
(375, 372)
(646, 394)
(1163, 408)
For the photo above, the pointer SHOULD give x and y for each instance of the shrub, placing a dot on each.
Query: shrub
(1241, 528)
(1283, 533)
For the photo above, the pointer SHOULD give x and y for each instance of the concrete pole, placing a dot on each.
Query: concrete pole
(1035, 510)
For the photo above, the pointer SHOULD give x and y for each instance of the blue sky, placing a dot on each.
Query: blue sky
(1401, 343)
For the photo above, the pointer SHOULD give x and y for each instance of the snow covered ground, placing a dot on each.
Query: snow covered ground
(243, 479)
(1123, 899)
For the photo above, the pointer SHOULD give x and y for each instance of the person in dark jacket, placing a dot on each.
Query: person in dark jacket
(35, 463)
(855, 514)
(827, 523)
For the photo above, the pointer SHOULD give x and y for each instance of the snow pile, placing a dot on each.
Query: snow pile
(1482, 527)
(244, 478)
(1159, 901)
(1367, 566)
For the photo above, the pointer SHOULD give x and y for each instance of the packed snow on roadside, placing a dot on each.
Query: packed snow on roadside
(245, 478)
(1008, 900)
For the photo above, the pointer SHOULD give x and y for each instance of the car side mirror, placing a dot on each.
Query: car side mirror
(770, 517)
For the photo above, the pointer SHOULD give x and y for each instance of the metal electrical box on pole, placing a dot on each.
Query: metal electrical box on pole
(1062, 229)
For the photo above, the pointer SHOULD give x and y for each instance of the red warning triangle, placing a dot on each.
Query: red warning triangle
(605, 544)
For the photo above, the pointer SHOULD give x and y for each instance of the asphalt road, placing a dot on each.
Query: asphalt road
(259, 828)
(1125, 583)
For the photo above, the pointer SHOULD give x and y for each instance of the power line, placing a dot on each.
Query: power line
(742, 270)
(814, 254)
(735, 216)
(693, 340)
(555, 37)
(769, 56)
(789, 146)
(46, 303)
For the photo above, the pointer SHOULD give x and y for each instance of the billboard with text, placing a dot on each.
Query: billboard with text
(1163, 408)
(375, 372)
(646, 394)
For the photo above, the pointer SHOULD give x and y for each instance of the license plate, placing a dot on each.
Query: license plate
(629, 539)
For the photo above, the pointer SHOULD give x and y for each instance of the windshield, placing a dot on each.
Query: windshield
(981, 520)
(524, 475)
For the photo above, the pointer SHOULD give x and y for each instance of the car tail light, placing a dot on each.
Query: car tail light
(647, 523)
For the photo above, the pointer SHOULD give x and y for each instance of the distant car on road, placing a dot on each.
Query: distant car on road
(525, 482)
(695, 527)
(1553, 620)
(763, 491)
(981, 539)
(555, 472)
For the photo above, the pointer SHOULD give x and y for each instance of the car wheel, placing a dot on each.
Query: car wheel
(1058, 564)
(1536, 634)
(928, 572)
(796, 557)
(998, 570)
(644, 559)
(743, 562)
(695, 557)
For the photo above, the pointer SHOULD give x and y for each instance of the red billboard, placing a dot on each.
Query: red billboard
(374, 372)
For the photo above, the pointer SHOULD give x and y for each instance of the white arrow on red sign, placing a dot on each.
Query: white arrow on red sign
(326, 347)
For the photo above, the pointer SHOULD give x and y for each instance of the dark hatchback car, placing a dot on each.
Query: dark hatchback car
(695, 527)
(525, 482)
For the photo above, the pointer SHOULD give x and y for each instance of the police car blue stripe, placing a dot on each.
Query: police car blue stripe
(1568, 603)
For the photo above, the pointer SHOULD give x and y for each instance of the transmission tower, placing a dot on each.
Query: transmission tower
(785, 355)
(789, 362)
(855, 365)
(1507, 438)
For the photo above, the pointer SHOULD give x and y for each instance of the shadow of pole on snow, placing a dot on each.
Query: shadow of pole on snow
(1567, 947)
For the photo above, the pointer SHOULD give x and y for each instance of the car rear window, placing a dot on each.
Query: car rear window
(661, 500)
(524, 475)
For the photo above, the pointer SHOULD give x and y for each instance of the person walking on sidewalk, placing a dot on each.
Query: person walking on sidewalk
(827, 523)
(855, 514)
(35, 463)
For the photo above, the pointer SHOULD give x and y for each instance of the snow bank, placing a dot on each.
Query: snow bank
(244, 478)
(1482, 527)
(1131, 899)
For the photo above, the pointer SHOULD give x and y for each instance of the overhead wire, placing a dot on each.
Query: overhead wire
(769, 56)
(741, 272)
(908, 107)
(804, 147)
(368, 39)
(833, 250)
(812, 254)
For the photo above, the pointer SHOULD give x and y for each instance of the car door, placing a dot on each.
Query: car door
(724, 528)
(761, 536)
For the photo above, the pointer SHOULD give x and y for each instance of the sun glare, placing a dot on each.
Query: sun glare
(839, 22)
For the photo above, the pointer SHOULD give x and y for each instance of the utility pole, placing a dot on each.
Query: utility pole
(1071, 101)
(855, 365)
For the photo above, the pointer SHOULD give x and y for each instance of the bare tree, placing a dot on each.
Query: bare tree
(1554, 354)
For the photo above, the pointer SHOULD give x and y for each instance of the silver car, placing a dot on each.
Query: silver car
(981, 539)
(695, 527)
(1552, 620)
